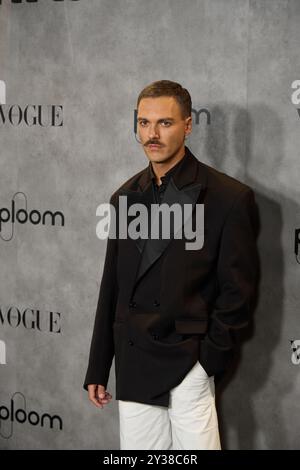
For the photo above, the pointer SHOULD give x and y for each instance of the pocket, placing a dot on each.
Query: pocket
(190, 325)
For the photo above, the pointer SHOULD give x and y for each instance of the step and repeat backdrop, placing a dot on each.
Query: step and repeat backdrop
(70, 74)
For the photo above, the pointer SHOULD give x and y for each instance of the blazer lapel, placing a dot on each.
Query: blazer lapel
(184, 188)
(153, 248)
(144, 197)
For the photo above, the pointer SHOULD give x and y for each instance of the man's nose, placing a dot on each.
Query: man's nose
(153, 132)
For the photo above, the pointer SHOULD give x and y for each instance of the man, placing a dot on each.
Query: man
(168, 314)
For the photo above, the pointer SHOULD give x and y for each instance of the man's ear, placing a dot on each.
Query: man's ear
(188, 125)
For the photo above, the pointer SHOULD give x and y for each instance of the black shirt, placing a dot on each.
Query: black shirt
(159, 190)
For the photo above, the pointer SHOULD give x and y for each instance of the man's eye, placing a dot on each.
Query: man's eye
(165, 123)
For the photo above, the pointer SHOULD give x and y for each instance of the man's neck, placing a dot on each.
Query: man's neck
(160, 169)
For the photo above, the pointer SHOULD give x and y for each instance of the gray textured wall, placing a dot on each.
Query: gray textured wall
(238, 59)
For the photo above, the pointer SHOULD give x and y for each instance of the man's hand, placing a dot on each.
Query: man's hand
(98, 395)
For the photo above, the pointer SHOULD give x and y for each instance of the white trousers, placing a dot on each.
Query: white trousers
(190, 422)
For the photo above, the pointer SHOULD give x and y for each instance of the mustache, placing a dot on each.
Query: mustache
(153, 143)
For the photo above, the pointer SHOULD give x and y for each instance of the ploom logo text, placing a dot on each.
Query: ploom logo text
(16, 413)
(9, 216)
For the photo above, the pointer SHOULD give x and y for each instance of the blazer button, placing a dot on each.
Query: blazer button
(130, 342)
(156, 303)
(132, 304)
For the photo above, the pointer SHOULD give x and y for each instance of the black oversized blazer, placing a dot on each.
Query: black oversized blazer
(162, 307)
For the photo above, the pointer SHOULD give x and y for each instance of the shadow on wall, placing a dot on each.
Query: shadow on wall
(243, 416)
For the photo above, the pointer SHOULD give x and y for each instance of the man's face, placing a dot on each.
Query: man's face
(159, 121)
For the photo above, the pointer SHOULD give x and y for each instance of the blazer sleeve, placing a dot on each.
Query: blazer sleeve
(102, 344)
(237, 275)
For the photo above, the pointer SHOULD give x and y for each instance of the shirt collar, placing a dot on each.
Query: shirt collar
(169, 173)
